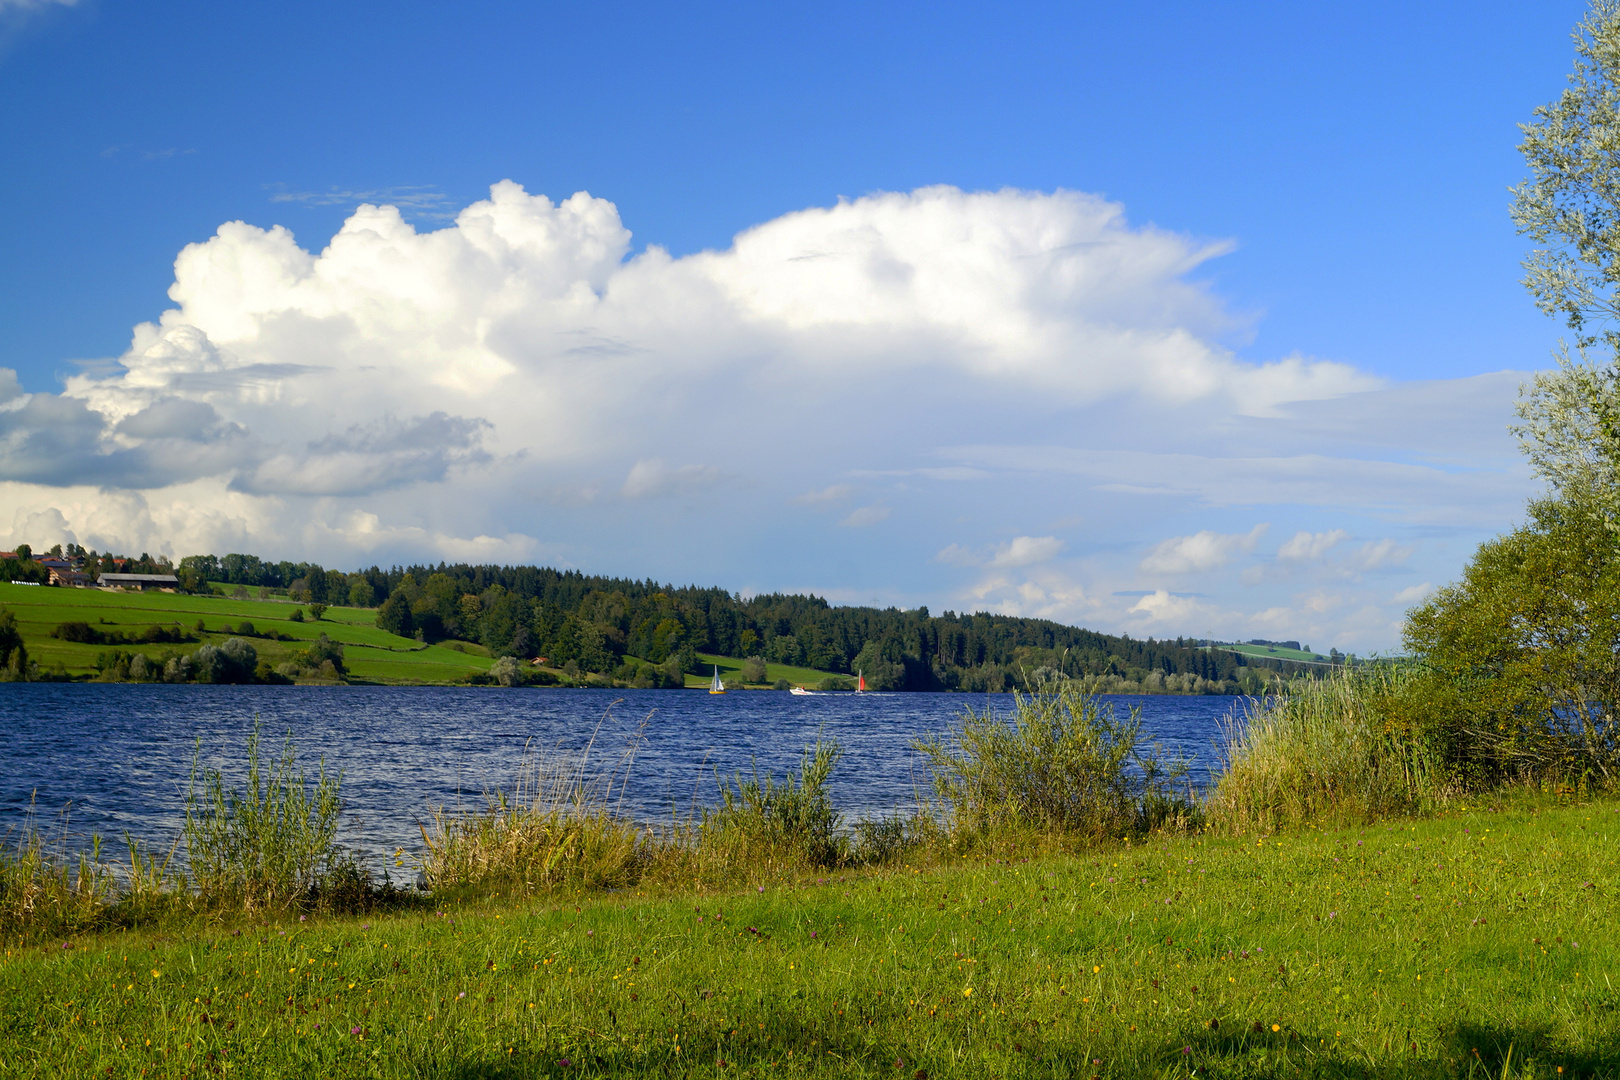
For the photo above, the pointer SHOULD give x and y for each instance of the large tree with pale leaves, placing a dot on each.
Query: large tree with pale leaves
(1570, 207)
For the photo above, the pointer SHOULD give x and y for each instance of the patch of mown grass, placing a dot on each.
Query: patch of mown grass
(1474, 945)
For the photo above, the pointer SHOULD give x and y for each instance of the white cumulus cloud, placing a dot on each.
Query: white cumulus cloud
(487, 386)
(1027, 551)
(1203, 550)
(1309, 547)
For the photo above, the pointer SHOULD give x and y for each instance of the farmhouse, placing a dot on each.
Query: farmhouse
(140, 582)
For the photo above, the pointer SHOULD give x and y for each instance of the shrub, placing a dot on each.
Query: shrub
(269, 845)
(13, 653)
(753, 670)
(1064, 764)
(507, 671)
(793, 819)
(233, 661)
(1522, 656)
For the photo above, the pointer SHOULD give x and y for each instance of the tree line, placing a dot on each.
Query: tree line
(599, 624)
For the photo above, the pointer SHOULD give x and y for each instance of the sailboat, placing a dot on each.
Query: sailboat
(717, 687)
(860, 682)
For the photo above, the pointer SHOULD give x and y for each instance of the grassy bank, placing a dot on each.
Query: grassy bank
(1473, 945)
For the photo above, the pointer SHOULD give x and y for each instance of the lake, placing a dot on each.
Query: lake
(115, 757)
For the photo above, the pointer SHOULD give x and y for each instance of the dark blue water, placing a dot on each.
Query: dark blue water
(116, 757)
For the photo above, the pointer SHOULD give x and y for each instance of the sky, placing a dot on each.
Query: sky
(1177, 319)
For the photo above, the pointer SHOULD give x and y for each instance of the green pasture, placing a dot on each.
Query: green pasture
(1272, 652)
(731, 668)
(372, 655)
(1480, 944)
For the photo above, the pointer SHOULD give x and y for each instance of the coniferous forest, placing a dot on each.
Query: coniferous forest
(595, 622)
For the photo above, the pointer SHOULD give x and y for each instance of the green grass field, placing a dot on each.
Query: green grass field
(1273, 652)
(731, 668)
(1477, 945)
(372, 655)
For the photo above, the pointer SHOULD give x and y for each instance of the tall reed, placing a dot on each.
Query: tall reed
(558, 825)
(1062, 763)
(1333, 748)
(270, 844)
(793, 821)
(45, 889)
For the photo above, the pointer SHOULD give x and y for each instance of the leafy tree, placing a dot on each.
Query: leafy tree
(1523, 654)
(1568, 205)
(753, 670)
(395, 616)
(13, 653)
(361, 592)
(316, 610)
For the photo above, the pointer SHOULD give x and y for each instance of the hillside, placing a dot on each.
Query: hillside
(447, 623)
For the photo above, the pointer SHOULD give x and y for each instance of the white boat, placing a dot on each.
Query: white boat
(801, 692)
(717, 687)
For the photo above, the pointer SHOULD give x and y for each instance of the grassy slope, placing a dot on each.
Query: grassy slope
(371, 654)
(1274, 653)
(731, 668)
(1409, 950)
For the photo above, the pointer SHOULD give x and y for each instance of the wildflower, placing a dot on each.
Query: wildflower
(1185, 1050)
(303, 918)
(967, 991)
(354, 1031)
(1276, 1027)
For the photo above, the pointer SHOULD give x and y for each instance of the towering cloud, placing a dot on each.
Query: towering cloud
(479, 387)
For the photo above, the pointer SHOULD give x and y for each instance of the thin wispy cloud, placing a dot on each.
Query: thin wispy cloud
(420, 200)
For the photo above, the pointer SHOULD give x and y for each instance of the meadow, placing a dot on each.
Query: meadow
(1475, 944)
(371, 654)
(1060, 912)
(1273, 652)
(731, 670)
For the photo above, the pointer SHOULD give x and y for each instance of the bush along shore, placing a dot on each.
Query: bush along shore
(1064, 907)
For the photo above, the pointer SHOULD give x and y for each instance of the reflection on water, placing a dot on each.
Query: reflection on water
(117, 756)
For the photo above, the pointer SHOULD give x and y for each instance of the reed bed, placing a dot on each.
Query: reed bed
(559, 825)
(1064, 763)
(1327, 750)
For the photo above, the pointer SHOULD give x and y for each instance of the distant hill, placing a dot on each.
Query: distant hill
(595, 623)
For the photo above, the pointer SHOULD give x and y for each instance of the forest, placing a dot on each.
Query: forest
(594, 623)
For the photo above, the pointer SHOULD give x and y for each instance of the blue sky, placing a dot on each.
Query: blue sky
(1322, 185)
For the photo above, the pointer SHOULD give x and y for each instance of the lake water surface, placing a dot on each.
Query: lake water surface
(115, 757)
